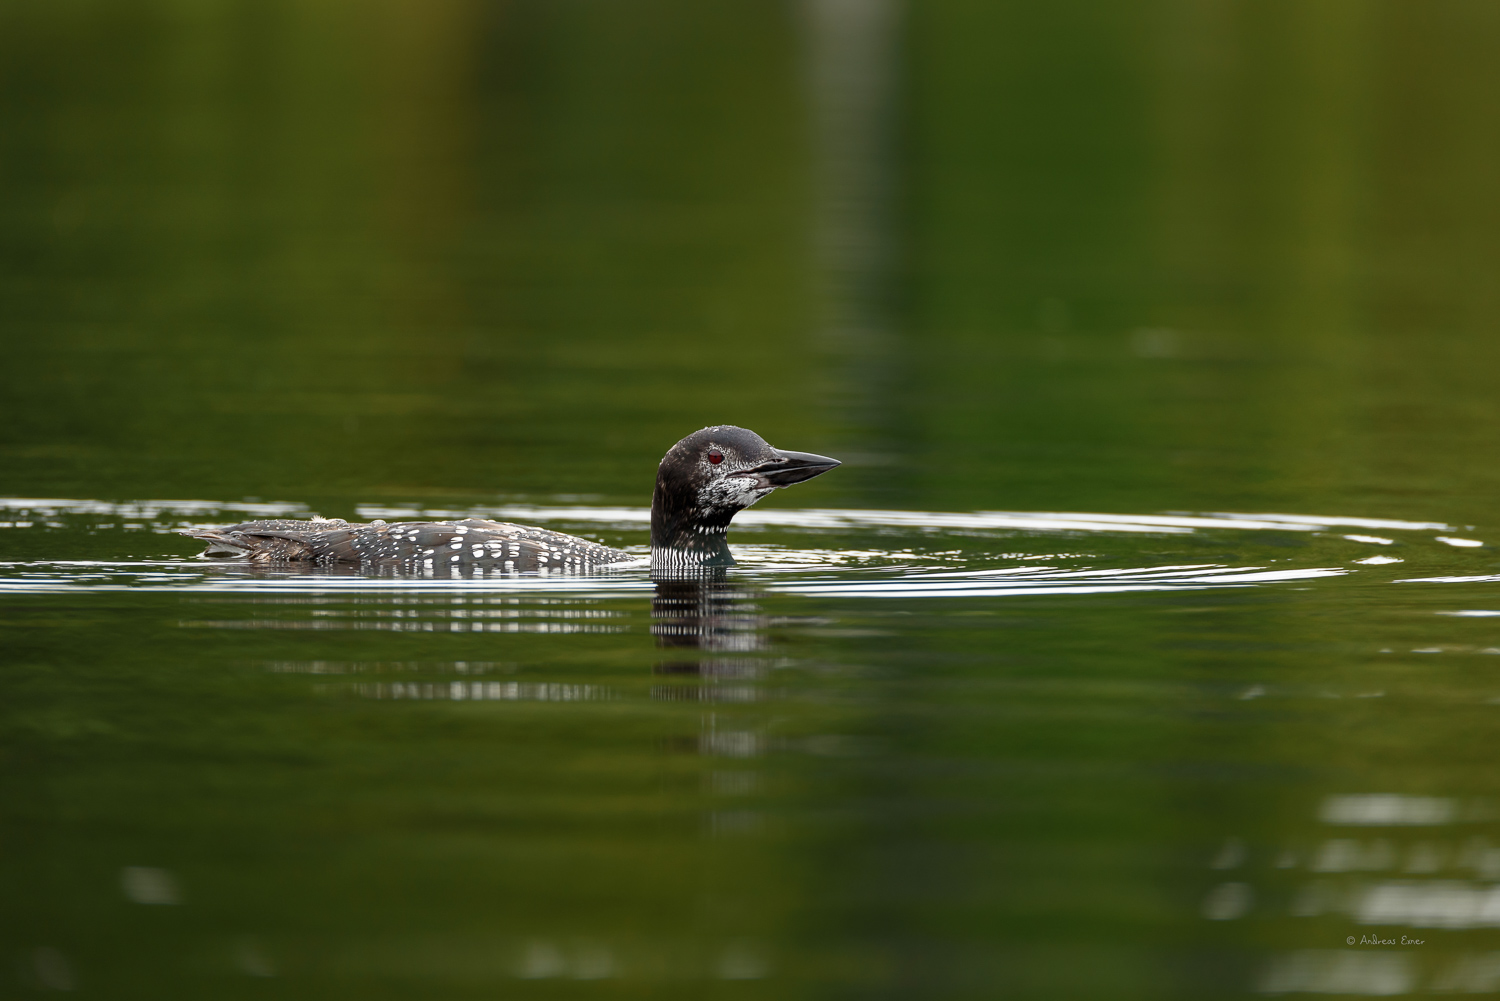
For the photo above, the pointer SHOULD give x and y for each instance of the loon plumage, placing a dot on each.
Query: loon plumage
(702, 483)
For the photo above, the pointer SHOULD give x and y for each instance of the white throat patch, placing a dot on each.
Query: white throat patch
(731, 493)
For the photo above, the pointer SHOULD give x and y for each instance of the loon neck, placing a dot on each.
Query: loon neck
(684, 535)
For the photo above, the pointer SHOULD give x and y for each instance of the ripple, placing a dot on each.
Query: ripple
(1035, 521)
(852, 577)
(1024, 581)
(912, 571)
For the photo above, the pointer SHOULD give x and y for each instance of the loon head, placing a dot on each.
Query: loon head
(707, 478)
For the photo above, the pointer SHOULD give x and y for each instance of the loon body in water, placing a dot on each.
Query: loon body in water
(702, 483)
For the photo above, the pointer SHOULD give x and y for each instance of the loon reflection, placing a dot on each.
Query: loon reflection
(714, 614)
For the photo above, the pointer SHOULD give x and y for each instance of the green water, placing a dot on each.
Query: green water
(1154, 261)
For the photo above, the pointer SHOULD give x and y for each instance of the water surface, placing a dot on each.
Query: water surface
(1146, 645)
(1192, 751)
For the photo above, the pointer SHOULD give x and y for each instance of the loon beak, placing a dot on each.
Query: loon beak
(792, 467)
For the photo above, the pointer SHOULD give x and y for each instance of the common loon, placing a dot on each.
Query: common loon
(702, 483)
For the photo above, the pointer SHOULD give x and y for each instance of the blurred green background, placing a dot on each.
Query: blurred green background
(1074, 255)
(1080, 256)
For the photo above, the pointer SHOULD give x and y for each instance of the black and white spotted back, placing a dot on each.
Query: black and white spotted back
(415, 545)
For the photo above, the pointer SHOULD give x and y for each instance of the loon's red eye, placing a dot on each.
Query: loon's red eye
(716, 457)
